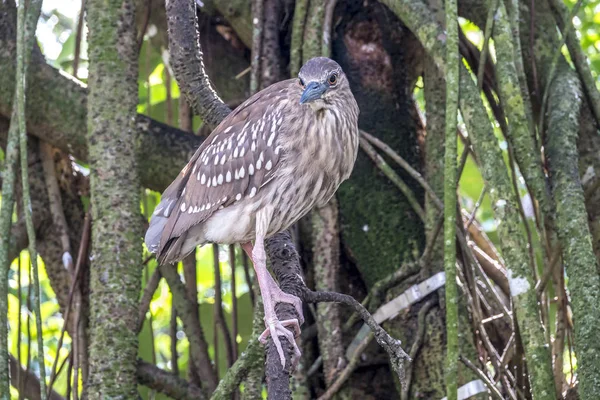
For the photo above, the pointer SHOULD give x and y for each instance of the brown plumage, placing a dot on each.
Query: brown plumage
(279, 154)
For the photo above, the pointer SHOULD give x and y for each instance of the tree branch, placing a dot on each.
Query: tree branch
(162, 150)
(572, 226)
(165, 382)
(187, 63)
(187, 310)
(31, 388)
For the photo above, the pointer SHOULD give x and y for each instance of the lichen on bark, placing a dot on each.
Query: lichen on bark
(115, 200)
(578, 255)
(512, 242)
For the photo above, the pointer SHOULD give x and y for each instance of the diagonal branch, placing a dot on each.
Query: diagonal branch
(187, 63)
(165, 382)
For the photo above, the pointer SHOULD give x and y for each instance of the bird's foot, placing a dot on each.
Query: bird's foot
(272, 294)
(275, 327)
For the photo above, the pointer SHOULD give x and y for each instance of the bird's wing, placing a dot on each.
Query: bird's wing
(239, 157)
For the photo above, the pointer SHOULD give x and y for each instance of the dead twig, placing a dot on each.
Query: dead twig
(493, 390)
(56, 207)
(78, 36)
(416, 346)
(81, 258)
(405, 165)
(219, 314)
(234, 305)
(390, 345)
(394, 177)
(151, 286)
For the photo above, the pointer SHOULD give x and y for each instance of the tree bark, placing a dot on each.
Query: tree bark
(115, 199)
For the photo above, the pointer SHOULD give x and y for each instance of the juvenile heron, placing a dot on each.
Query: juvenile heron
(283, 151)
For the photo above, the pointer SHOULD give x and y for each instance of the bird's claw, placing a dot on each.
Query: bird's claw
(276, 328)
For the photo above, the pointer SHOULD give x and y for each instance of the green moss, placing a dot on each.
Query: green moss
(313, 31)
(116, 248)
(571, 224)
(512, 241)
(520, 135)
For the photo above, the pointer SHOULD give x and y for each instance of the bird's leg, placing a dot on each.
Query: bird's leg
(272, 294)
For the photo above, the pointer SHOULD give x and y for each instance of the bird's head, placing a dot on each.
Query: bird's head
(322, 81)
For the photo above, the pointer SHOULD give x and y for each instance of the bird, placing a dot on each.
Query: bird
(281, 153)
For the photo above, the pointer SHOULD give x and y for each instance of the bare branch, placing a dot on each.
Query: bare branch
(187, 309)
(187, 63)
(165, 382)
(31, 388)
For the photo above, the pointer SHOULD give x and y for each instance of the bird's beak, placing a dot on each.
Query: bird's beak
(313, 91)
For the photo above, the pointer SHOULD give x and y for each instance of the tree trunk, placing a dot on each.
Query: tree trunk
(116, 229)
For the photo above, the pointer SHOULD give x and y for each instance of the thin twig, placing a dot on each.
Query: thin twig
(151, 286)
(558, 52)
(81, 257)
(493, 390)
(489, 23)
(78, 36)
(390, 345)
(20, 383)
(173, 336)
(328, 27)
(33, 9)
(248, 278)
(405, 165)
(393, 176)
(257, 32)
(416, 346)
(219, 314)
(234, 303)
(347, 371)
(56, 207)
(477, 205)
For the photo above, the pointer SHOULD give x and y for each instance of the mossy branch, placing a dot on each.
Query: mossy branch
(26, 24)
(564, 101)
(520, 135)
(298, 24)
(505, 206)
(450, 199)
(564, 21)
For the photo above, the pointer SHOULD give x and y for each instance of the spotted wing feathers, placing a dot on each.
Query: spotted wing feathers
(233, 163)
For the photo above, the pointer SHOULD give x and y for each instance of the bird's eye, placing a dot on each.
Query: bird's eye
(332, 80)
(301, 82)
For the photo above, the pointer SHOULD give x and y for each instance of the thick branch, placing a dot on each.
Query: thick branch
(61, 121)
(31, 388)
(572, 227)
(186, 60)
(505, 207)
(579, 59)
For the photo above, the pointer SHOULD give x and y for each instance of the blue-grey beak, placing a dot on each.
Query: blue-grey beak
(313, 91)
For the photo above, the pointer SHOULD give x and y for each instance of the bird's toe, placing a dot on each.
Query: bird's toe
(276, 328)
